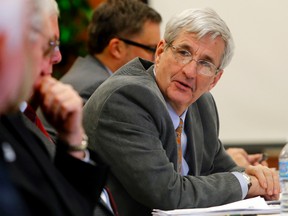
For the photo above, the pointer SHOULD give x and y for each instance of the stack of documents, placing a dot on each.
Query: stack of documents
(255, 205)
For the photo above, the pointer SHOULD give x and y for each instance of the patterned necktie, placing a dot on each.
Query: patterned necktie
(179, 148)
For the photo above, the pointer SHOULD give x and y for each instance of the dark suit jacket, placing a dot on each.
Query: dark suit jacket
(101, 209)
(11, 203)
(129, 126)
(67, 187)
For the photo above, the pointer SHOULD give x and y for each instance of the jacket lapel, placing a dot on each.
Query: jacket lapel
(49, 146)
(195, 140)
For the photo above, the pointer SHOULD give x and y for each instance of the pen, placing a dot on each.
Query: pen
(273, 202)
(263, 158)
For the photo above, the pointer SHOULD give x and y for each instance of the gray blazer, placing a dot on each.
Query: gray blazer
(85, 75)
(129, 126)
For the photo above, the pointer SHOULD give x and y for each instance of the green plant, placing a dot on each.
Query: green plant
(73, 22)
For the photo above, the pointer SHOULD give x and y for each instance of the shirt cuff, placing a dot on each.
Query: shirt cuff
(242, 182)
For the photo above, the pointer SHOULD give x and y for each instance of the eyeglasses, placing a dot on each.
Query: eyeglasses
(52, 48)
(184, 57)
(148, 48)
(54, 45)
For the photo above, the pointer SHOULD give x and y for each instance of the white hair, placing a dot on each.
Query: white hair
(41, 9)
(11, 14)
(202, 21)
(53, 7)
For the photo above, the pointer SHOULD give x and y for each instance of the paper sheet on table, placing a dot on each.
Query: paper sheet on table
(256, 205)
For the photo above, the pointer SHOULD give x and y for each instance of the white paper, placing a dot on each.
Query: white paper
(247, 206)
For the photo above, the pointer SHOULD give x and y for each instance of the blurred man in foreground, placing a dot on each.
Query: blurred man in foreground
(47, 188)
(13, 77)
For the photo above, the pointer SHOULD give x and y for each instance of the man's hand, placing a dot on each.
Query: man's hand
(62, 107)
(265, 182)
(242, 158)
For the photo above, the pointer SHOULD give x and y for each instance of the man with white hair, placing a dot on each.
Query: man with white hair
(12, 45)
(36, 99)
(156, 125)
(46, 188)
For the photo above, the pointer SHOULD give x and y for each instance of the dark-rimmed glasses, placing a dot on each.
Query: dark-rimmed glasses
(133, 43)
(184, 57)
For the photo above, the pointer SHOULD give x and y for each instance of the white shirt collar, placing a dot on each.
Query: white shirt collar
(174, 116)
(23, 105)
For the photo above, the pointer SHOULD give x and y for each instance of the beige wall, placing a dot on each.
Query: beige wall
(252, 96)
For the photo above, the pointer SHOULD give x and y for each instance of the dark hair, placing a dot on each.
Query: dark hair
(118, 18)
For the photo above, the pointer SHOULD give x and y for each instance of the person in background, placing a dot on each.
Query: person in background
(156, 125)
(119, 31)
(48, 188)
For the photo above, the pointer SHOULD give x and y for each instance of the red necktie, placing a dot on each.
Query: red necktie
(112, 201)
(31, 114)
(179, 147)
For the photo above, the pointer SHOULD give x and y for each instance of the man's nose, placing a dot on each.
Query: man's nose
(190, 69)
(56, 56)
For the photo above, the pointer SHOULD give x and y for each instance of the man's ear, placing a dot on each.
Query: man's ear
(159, 50)
(216, 79)
(116, 48)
